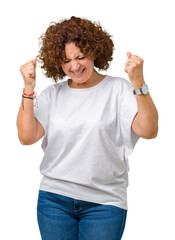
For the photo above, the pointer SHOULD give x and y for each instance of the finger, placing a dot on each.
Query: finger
(126, 64)
(32, 75)
(126, 69)
(135, 57)
(28, 69)
(129, 54)
(29, 74)
(131, 67)
(132, 57)
(133, 60)
(29, 63)
(34, 62)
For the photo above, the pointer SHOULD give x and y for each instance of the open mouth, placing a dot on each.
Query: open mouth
(78, 73)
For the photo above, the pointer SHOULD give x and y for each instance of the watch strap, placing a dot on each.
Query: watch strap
(137, 92)
(142, 91)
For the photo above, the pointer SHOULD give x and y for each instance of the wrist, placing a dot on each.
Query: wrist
(29, 90)
(28, 93)
(138, 84)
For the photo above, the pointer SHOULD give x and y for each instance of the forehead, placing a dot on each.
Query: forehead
(72, 51)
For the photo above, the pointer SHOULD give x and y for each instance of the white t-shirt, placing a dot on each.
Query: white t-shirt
(88, 140)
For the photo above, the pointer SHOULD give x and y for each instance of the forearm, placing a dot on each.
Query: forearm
(145, 123)
(26, 122)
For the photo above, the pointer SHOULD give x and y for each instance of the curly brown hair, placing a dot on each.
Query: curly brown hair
(88, 36)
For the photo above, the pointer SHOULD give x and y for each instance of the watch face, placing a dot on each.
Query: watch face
(144, 89)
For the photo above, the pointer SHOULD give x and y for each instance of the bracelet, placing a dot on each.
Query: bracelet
(32, 96)
(27, 97)
(28, 94)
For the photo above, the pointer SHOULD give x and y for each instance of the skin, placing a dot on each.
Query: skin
(82, 74)
(145, 123)
(79, 68)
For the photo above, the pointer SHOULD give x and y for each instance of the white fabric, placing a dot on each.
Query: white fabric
(88, 140)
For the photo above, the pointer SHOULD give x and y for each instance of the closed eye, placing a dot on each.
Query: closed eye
(78, 58)
(81, 58)
(66, 61)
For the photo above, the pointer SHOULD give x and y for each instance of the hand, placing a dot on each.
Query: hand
(28, 71)
(134, 69)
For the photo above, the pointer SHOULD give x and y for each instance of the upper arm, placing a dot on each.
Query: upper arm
(39, 134)
(138, 130)
(134, 126)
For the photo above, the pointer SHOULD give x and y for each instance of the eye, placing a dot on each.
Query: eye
(66, 61)
(81, 58)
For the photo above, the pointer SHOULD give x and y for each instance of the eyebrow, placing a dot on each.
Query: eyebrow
(76, 57)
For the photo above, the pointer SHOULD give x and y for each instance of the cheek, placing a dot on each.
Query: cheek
(89, 64)
(64, 68)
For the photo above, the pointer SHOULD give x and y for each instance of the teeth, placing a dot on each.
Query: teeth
(77, 73)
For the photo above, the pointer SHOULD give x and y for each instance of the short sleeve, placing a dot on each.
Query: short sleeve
(127, 112)
(42, 111)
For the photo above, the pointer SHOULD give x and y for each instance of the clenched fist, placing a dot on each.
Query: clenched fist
(28, 71)
(134, 68)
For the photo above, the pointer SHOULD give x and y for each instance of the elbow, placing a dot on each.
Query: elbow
(155, 134)
(151, 134)
(24, 141)
(155, 131)
(151, 129)
(25, 138)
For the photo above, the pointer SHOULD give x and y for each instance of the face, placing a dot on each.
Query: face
(76, 65)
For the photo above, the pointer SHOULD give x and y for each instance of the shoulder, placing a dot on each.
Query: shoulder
(121, 84)
(51, 91)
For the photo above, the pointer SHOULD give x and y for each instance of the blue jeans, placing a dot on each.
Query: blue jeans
(65, 218)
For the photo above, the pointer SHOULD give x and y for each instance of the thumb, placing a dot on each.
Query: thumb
(34, 62)
(129, 54)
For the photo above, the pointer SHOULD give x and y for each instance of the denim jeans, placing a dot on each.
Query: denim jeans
(65, 218)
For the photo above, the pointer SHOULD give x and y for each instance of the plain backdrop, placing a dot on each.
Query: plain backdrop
(145, 28)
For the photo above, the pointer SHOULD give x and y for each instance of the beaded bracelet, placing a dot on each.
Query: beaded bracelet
(32, 94)
(29, 96)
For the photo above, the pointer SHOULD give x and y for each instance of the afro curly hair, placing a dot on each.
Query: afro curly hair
(88, 36)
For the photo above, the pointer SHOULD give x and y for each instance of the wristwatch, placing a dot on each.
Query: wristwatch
(142, 91)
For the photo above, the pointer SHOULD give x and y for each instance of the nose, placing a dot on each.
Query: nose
(75, 66)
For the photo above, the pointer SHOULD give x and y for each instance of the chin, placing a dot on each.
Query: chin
(75, 81)
(82, 79)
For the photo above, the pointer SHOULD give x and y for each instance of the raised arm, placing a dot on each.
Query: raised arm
(145, 123)
(29, 128)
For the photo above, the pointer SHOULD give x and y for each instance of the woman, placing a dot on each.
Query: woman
(90, 123)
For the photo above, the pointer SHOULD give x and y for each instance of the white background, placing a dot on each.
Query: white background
(146, 29)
